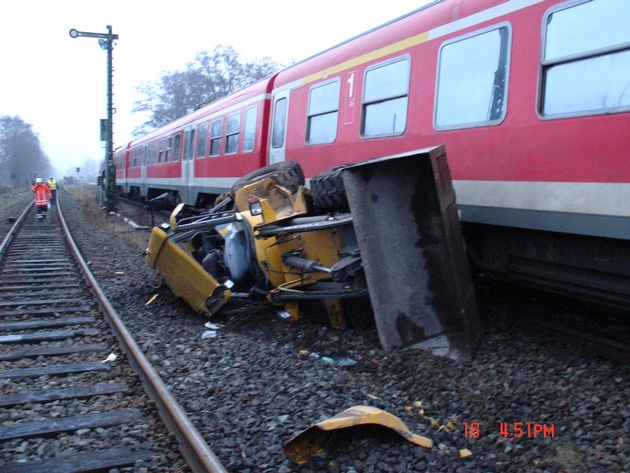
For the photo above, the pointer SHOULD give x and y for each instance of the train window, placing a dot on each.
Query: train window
(279, 123)
(249, 139)
(323, 113)
(189, 144)
(169, 149)
(232, 132)
(215, 137)
(177, 146)
(161, 151)
(385, 99)
(154, 152)
(202, 135)
(472, 80)
(586, 59)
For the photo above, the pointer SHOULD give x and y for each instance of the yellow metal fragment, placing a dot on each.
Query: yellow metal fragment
(293, 308)
(433, 422)
(152, 299)
(450, 426)
(335, 311)
(464, 452)
(313, 440)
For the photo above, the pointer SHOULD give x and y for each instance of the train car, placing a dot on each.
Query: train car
(121, 164)
(199, 156)
(531, 99)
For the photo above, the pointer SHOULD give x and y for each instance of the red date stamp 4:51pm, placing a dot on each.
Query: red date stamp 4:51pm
(528, 430)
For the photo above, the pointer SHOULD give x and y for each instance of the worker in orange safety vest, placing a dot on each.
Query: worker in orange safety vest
(42, 196)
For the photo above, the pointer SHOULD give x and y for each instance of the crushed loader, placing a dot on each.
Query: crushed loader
(386, 229)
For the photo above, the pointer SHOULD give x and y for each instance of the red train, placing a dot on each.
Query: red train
(530, 97)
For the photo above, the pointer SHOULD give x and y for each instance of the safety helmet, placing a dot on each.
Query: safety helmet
(38, 180)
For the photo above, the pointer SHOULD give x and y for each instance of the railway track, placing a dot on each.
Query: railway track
(77, 393)
(600, 330)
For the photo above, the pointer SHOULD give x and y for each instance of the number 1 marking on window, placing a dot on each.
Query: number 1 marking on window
(351, 85)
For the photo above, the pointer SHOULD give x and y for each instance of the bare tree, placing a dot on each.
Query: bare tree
(21, 154)
(209, 77)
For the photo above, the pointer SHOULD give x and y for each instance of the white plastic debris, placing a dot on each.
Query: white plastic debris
(283, 314)
(111, 357)
(211, 326)
(329, 360)
(208, 334)
(345, 362)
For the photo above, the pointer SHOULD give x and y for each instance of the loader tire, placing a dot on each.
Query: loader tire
(287, 174)
(329, 193)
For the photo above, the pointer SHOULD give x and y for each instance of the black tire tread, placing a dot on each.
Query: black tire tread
(287, 174)
(329, 193)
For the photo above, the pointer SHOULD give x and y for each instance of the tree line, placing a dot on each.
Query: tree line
(22, 158)
(209, 77)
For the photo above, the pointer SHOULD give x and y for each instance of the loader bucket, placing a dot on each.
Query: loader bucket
(413, 253)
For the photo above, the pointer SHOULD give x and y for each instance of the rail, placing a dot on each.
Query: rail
(198, 455)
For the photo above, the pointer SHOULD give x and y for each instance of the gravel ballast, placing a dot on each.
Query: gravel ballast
(260, 381)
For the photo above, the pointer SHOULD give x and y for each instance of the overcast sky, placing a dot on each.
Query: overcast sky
(58, 84)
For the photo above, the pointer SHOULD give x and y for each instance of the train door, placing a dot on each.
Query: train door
(188, 167)
(124, 166)
(278, 142)
(143, 166)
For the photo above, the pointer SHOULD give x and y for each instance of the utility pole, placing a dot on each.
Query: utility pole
(106, 42)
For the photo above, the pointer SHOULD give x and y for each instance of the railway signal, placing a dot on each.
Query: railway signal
(106, 42)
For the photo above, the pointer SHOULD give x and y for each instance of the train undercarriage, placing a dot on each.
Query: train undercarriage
(593, 269)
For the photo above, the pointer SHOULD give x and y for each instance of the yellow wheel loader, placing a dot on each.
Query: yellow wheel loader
(385, 228)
